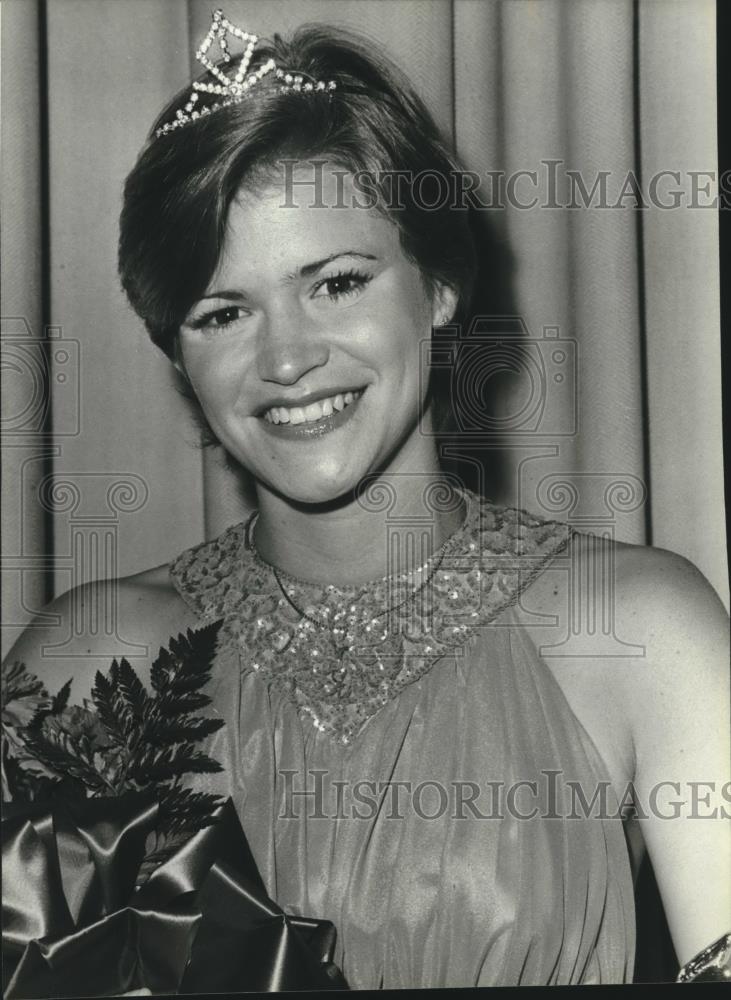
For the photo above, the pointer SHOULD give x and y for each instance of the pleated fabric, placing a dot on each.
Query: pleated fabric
(445, 841)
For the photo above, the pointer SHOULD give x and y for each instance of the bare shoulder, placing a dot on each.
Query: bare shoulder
(645, 598)
(637, 639)
(663, 603)
(666, 585)
(82, 630)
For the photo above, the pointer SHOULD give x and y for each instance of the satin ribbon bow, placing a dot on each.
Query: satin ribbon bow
(74, 924)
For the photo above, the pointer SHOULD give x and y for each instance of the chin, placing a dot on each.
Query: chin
(318, 491)
(317, 486)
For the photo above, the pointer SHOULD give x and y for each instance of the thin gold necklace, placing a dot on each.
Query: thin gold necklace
(250, 544)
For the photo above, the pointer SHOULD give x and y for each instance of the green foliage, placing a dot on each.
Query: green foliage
(18, 684)
(126, 739)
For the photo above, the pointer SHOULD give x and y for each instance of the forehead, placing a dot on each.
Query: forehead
(301, 214)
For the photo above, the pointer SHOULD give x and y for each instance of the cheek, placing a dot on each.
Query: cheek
(403, 320)
(216, 376)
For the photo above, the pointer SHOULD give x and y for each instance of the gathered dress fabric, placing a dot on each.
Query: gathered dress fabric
(413, 776)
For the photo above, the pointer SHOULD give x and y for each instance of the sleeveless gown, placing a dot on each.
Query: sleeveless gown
(409, 777)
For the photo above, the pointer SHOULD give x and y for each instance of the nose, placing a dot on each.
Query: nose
(289, 346)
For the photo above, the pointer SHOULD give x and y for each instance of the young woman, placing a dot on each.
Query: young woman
(403, 759)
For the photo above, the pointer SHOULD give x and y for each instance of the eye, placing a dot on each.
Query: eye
(339, 286)
(218, 319)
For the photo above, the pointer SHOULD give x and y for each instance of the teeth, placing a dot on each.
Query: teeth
(313, 411)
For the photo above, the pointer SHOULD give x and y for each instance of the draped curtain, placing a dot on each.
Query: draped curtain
(619, 307)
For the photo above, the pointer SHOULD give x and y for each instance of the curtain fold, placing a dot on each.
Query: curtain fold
(620, 310)
(551, 100)
(26, 448)
(128, 470)
(677, 86)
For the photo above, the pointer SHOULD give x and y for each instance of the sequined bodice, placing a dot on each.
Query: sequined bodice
(372, 639)
(443, 694)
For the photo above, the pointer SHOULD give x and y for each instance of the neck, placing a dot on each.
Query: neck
(391, 526)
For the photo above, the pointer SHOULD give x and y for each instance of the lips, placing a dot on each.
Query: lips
(302, 429)
(312, 412)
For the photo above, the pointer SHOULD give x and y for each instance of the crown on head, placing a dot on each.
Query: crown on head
(234, 88)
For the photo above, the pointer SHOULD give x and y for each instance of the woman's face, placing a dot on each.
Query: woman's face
(305, 350)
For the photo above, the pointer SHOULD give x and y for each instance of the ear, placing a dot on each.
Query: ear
(180, 369)
(444, 304)
(177, 361)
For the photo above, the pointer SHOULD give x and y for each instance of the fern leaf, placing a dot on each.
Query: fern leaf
(182, 809)
(131, 689)
(60, 755)
(201, 644)
(105, 701)
(183, 729)
(188, 661)
(160, 669)
(165, 848)
(156, 765)
(61, 698)
(182, 813)
(173, 703)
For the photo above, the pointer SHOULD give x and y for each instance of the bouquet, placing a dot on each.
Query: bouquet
(118, 877)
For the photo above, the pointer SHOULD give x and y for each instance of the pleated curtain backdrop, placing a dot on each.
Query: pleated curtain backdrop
(107, 478)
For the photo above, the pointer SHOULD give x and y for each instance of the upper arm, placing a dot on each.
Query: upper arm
(95, 623)
(56, 647)
(676, 700)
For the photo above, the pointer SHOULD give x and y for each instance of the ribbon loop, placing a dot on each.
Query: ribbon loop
(202, 922)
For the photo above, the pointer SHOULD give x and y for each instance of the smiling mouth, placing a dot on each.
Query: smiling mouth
(313, 412)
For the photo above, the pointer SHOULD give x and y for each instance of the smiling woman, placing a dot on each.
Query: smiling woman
(330, 316)
(427, 739)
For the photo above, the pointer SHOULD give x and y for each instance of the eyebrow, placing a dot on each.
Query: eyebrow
(306, 271)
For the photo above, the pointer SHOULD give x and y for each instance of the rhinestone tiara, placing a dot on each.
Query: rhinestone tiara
(233, 88)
